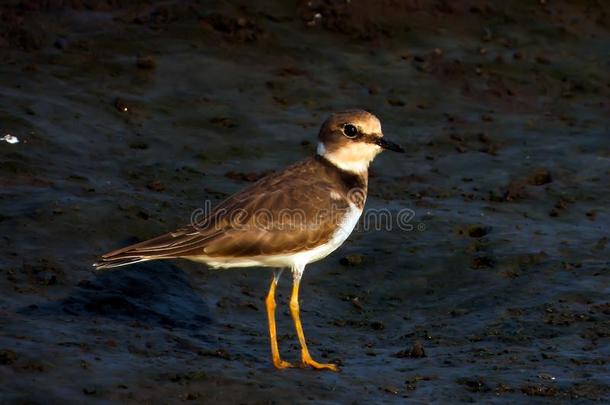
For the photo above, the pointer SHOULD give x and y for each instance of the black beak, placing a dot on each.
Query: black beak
(389, 145)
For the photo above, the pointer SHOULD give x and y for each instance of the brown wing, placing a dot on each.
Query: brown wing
(281, 213)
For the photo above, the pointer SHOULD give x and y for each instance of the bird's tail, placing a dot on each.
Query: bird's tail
(184, 242)
(128, 255)
(108, 262)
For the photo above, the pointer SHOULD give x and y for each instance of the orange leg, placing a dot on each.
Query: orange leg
(294, 310)
(270, 303)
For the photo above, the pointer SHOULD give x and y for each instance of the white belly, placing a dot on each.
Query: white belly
(341, 234)
(343, 231)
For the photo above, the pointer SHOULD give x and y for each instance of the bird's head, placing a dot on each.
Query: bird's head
(351, 140)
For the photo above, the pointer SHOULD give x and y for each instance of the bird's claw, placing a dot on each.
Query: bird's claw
(281, 364)
(319, 366)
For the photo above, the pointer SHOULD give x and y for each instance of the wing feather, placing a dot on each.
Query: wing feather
(281, 213)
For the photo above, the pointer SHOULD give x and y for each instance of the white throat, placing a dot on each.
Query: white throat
(355, 160)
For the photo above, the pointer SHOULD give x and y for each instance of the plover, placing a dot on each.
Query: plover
(287, 219)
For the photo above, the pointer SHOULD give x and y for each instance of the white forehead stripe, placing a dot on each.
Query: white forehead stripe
(371, 126)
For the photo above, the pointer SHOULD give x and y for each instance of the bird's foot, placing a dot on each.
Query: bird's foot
(281, 364)
(309, 362)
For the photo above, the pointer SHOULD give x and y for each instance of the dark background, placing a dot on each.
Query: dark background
(130, 115)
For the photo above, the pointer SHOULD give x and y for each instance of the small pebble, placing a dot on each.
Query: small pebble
(146, 62)
(8, 138)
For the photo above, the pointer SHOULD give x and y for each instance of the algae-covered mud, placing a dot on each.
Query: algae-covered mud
(125, 117)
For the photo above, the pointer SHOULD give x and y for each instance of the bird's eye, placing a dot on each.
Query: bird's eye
(350, 131)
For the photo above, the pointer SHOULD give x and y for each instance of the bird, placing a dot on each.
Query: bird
(286, 220)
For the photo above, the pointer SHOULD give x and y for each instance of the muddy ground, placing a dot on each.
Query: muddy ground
(130, 115)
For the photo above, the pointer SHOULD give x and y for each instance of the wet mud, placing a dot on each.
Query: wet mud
(131, 115)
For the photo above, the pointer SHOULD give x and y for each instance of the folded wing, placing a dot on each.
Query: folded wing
(280, 214)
